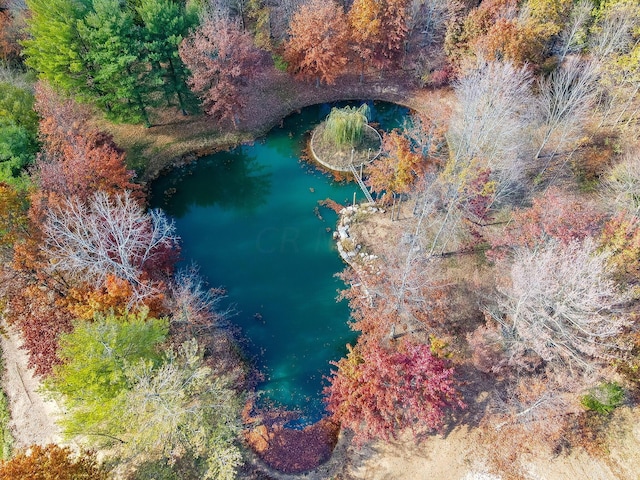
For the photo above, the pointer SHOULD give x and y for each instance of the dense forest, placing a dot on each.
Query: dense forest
(507, 277)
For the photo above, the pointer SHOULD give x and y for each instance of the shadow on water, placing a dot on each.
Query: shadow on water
(231, 180)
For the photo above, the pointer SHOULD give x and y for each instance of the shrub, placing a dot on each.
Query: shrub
(604, 398)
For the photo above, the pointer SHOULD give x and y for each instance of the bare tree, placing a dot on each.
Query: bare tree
(108, 236)
(573, 36)
(614, 32)
(562, 304)
(281, 13)
(427, 20)
(488, 140)
(195, 306)
(488, 127)
(565, 101)
(622, 185)
(615, 48)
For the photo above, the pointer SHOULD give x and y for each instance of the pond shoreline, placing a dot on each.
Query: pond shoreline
(176, 140)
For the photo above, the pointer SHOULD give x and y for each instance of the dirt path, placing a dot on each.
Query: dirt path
(31, 415)
(460, 456)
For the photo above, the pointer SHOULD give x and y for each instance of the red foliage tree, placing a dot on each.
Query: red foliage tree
(554, 215)
(88, 163)
(51, 462)
(76, 160)
(32, 300)
(318, 43)
(379, 393)
(222, 59)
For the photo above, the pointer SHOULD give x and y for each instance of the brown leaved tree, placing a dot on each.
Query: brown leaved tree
(222, 60)
(318, 44)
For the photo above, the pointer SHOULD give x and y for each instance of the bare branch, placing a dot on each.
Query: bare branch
(109, 236)
(562, 304)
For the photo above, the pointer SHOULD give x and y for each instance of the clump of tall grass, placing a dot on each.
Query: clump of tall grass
(344, 126)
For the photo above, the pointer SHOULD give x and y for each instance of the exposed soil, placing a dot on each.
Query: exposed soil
(31, 415)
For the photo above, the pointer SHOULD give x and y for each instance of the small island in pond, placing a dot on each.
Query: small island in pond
(345, 140)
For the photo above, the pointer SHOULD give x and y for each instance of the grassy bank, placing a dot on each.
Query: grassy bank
(6, 439)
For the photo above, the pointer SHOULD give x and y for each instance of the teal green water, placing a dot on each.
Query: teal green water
(250, 219)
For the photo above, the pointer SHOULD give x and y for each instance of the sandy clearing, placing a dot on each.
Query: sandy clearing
(31, 415)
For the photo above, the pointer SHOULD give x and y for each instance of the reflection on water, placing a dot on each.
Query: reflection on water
(232, 180)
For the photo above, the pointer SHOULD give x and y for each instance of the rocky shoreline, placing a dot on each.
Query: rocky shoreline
(349, 248)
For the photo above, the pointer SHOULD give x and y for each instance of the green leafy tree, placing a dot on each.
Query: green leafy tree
(344, 126)
(54, 49)
(16, 104)
(182, 409)
(18, 132)
(114, 50)
(93, 376)
(118, 55)
(166, 24)
(16, 152)
(122, 391)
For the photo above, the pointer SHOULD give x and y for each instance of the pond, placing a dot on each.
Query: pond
(250, 219)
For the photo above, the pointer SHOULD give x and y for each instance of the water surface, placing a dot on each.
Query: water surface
(250, 219)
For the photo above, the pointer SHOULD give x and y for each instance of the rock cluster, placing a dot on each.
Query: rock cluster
(347, 246)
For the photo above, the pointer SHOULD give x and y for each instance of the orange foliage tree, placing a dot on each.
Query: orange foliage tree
(497, 30)
(621, 239)
(399, 168)
(378, 30)
(318, 43)
(13, 218)
(52, 462)
(115, 296)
